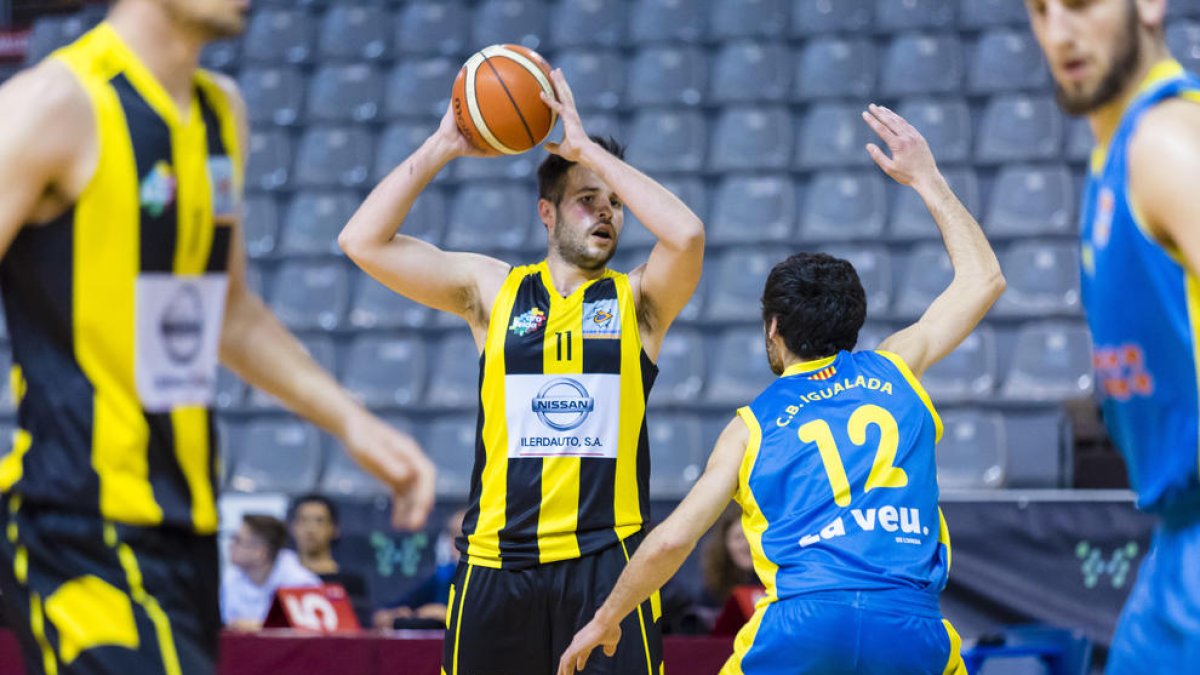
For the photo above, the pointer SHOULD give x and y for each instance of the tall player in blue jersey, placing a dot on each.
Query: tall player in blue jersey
(833, 466)
(1141, 252)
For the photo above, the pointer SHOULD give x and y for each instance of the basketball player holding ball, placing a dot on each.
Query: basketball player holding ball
(559, 491)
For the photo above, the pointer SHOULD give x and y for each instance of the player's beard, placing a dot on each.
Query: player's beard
(211, 26)
(1127, 53)
(571, 244)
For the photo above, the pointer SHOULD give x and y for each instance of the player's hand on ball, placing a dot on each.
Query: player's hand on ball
(589, 637)
(911, 159)
(397, 460)
(454, 139)
(574, 139)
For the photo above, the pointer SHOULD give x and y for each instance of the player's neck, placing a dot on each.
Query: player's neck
(566, 276)
(1105, 119)
(169, 50)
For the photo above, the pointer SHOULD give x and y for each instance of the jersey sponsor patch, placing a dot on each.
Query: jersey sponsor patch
(157, 191)
(563, 415)
(177, 336)
(529, 322)
(225, 201)
(602, 319)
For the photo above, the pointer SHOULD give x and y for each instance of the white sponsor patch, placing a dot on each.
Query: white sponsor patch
(177, 336)
(563, 415)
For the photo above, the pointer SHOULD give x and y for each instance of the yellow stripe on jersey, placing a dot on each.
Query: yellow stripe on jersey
(917, 387)
(745, 638)
(627, 504)
(754, 522)
(954, 663)
(1193, 310)
(944, 538)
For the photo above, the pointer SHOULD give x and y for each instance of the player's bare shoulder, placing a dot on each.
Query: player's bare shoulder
(1164, 155)
(1168, 130)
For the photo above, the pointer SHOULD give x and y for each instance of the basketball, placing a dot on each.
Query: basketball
(497, 103)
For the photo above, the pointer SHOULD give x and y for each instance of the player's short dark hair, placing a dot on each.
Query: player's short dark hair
(819, 304)
(552, 173)
(313, 498)
(270, 529)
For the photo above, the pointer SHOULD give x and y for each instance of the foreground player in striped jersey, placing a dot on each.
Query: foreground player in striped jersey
(559, 493)
(833, 466)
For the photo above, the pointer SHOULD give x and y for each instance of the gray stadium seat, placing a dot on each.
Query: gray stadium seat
(833, 135)
(1043, 278)
(320, 346)
(922, 63)
(836, 67)
(1052, 361)
(689, 189)
(334, 156)
(681, 362)
(377, 306)
(222, 55)
(522, 22)
(821, 17)
(1007, 59)
(230, 390)
(397, 141)
(973, 453)
(274, 455)
(311, 294)
(314, 220)
(504, 167)
(910, 217)
(872, 333)
(255, 279)
(273, 94)
(1181, 8)
(696, 306)
(385, 369)
(667, 75)
(945, 123)
(433, 27)
(426, 220)
(450, 442)
(419, 87)
(966, 374)
(277, 35)
(874, 267)
(1031, 200)
(269, 162)
(586, 23)
(352, 32)
(926, 275)
(1183, 39)
(739, 275)
(747, 71)
(975, 14)
(668, 20)
(732, 19)
(1079, 140)
(51, 32)
(893, 16)
(454, 380)
(1040, 443)
(843, 205)
(739, 367)
(345, 93)
(489, 216)
(751, 138)
(261, 227)
(1020, 128)
(667, 140)
(750, 209)
(676, 453)
(597, 78)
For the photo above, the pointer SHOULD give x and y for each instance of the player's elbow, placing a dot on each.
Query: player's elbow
(672, 545)
(350, 243)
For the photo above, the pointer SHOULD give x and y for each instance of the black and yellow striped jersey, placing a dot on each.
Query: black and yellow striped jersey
(562, 464)
(115, 307)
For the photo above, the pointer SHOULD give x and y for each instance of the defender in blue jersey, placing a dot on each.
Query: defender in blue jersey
(1140, 254)
(833, 466)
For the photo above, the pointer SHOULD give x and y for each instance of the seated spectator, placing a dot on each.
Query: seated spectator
(727, 561)
(426, 603)
(258, 566)
(313, 520)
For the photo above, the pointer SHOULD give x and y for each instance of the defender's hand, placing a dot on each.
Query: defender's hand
(593, 635)
(397, 460)
(575, 140)
(911, 161)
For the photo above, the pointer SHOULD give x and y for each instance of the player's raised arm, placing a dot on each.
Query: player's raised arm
(664, 549)
(667, 280)
(459, 283)
(977, 282)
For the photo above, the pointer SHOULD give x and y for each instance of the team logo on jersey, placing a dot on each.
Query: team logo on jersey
(529, 322)
(1122, 371)
(224, 192)
(1102, 224)
(601, 319)
(563, 404)
(157, 191)
(824, 373)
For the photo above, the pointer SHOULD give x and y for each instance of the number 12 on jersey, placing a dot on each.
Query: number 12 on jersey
(884, 472)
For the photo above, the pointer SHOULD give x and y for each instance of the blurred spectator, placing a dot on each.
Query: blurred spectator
(427, 601)
(258, 566)
(313, 520)
(727, 561)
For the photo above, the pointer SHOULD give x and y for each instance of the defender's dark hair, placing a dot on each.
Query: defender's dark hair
(313, 498)
(268, 528)
(552, 173)
(819, 304)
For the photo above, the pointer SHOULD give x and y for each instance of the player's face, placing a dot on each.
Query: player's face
(1092, 46)
(216, 18)
(312, 527)
(588, 221)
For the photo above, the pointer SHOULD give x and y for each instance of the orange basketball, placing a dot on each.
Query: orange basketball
(496, 99)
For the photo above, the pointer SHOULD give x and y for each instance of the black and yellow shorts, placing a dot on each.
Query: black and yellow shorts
(519, 622)
(85, 595)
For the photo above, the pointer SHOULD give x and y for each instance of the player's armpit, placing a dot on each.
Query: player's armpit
(1164, 160)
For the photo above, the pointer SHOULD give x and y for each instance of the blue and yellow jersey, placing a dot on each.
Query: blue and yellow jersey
(838, 486)
(1143, 307)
